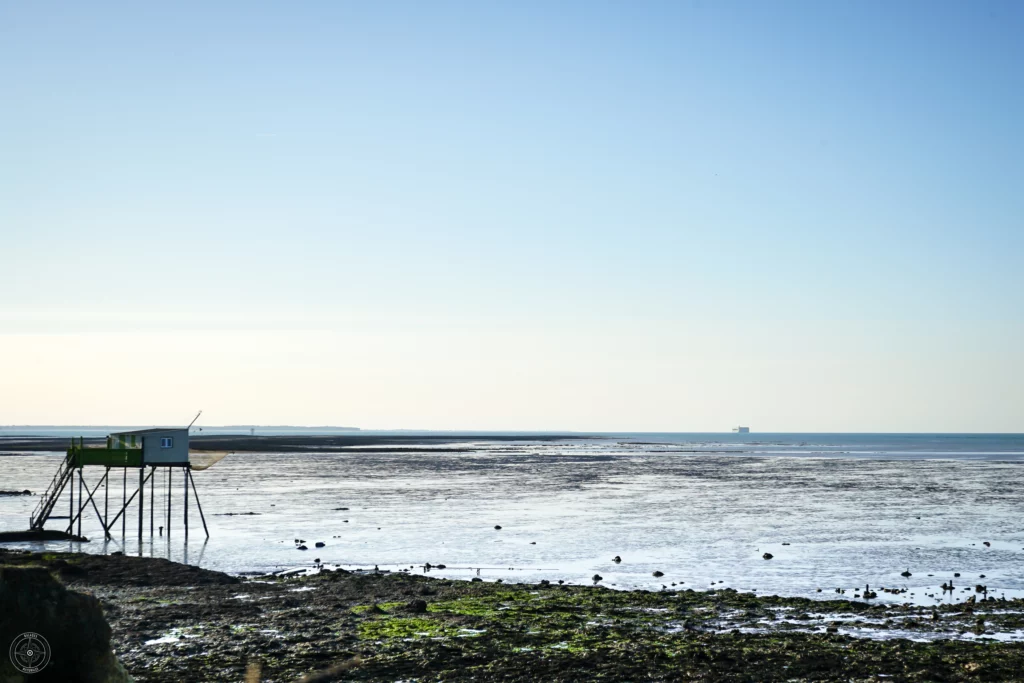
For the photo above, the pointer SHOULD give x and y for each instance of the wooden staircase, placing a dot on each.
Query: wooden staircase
(49, 499)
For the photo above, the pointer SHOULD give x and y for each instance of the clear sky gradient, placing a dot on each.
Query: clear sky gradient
(674, 216)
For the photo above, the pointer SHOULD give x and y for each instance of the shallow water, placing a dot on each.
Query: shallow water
(853, 510)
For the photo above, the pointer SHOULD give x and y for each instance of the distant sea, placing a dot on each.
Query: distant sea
(833, 510)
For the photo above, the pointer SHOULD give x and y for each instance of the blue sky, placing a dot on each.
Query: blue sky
(589, 215)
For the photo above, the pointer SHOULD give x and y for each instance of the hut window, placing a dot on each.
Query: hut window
(166, 442)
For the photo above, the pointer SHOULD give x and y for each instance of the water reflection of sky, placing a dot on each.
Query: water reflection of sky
(566, 509)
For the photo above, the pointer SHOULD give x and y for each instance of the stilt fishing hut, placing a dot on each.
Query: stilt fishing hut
(145, 450)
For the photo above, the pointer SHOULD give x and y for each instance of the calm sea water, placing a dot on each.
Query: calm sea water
(833, 510)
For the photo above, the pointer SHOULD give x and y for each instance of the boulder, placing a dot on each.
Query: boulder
(61, 632)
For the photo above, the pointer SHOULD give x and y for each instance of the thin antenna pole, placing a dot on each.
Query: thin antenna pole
(194, 420)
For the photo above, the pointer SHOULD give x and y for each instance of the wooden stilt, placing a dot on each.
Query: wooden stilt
(170, 478)
(71, 505)
(124, 502)
(186, 501)
(106, 501)
(79, 501)
(83, 500)
(124, 508)
(142, 500)
(201, 515)
(152, 498)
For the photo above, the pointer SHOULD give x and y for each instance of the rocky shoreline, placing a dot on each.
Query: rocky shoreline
(179, 623)
(174, 622)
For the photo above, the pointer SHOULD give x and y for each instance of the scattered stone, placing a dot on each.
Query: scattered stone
(616, 559)
(477, 579)
(597, 577)
(497, 526)
(320, 544)
(302, 547)
(767, 556)
(416, 606)
(658, 574)
(906, 573)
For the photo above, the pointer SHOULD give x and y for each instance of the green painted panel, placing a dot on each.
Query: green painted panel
(107, 457)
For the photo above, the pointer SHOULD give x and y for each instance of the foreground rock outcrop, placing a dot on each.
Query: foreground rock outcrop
(50, 633)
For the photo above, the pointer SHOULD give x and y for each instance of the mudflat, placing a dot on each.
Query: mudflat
(297, 443)
(174, 622)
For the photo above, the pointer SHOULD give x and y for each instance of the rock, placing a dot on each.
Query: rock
(533, 542)
(957, 574)
(416, 606)
(320, 544)
(545, 582)
(597, 577)
(767, 556)
(440, 566)
(906, 573)
(77, 637)
(476, 579)
(616, 559)
(832, 628)
(658, 574)
(497, 526)
(981, 576)
(987, 544)
(302, 547)
(26, 492)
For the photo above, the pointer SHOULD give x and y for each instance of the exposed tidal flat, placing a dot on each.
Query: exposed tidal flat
(691, 520)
